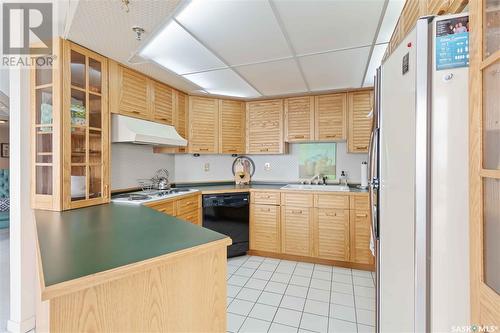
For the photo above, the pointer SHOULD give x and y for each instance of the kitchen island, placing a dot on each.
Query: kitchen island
(119, 267)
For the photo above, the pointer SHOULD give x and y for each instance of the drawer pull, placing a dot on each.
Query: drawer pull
(264, 149)
(296, 211)
(362, 147)
(299, 136)
(331, 136)
(331, 214)
(203, 149)
(361, 215)
(265, 209)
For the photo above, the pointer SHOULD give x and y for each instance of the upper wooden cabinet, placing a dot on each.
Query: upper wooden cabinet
(162, 103)
(264, 130)
(231, 127)
(330, 117)
(70, 130)
(360, 120)
(299, 119)
(203, 125)
(180, 117)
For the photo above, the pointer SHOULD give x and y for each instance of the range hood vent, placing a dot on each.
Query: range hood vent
(132, 130)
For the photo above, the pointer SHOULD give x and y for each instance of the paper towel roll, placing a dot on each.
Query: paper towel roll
(364, 174)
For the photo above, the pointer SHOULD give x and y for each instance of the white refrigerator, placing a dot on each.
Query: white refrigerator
(419, 180)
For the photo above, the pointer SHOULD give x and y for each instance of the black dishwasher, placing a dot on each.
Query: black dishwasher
(229, 215)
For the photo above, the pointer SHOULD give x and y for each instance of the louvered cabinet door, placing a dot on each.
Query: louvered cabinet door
(330, 117)
(231, 127)
(162, 103)
(203, 125)
(180, 115)
(265, 127)
(129, 92)
(299, 119)
(296, 231)
(360, 234)
(332, 234)
(265, 228)
(360, 105)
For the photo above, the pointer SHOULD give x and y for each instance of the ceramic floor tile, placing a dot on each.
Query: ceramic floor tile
(240, 307)
(341, 326)
(365, 317)
(232, 291)
(256, 259)
(363, 281)
(288, 317)
(318, 295)
(364, 291)
(285, 269)
(342, 299)
(293, 303)
(305, 265)
(248, 294)
(268, 267)
(270, 298)
(342, 270)
(242, 271)
(345, 288)
(325, 268)
(281, 277)
(272, 260)
(276, 287)
(231, 269)
(365, 303)
(320, 284)
(256, 284)
(317, 307)
(344, 278)
(228, 301)
(252, 325)
(297, 291)
(263, 275)
(366, 329)
(300, 280)
(357, 272)
(314, 322)
(279, 328)
(251, 264)
(234, 322)
(323, 275)
(263, 312)
(307, 272)
(237, 280)
(342, 312)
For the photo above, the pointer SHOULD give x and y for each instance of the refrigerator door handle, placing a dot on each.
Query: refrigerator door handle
(373, 181)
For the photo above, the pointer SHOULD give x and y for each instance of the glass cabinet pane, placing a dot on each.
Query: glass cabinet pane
(78, 145)
(44, 107)
(491, 233)
(491, 27)
(43, 174)
(77, 69)
(43, 76)
(43, 146)
(78, 183)
(95, 189)
(94, 76)
(491, 116)
(95, 116)
(78, 109)
(95, 147)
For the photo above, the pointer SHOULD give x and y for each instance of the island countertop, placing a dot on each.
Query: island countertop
(85, 242)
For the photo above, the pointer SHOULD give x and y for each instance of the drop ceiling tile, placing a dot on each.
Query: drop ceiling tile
(223, 82)
(335, 70)
(317, 26)
(176, 50)
(391, 17)
(275, 78)
(241, 32)
(375, 61)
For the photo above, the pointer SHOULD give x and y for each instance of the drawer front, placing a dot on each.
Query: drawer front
(264, 228)
(297, 199)
(296, 228)
(333, 201)
(360, 202)
(192, 216)
(186, 205)
(164, 207)
(265, 198)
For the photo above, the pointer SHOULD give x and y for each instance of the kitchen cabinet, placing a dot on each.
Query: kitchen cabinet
(360, 234)
(330, 117)
(296, 231)
(360, 120)
(162, 104)
(203, 125)
(70, 124)
(231, 127)
(264, 130)
(332, 235)
(299, 119)
(186, 207)
(265, 227)
(129, 92)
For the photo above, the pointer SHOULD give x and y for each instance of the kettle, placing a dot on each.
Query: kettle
(161, 180)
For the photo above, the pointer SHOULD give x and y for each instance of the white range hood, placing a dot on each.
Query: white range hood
(132, 130)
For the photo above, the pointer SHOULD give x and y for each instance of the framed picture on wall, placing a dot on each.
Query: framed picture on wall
(4, 150)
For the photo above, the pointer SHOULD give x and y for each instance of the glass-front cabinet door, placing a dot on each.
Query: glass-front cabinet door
(86, 119)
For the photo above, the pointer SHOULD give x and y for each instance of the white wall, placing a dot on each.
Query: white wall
(130, 162)
(284, 168)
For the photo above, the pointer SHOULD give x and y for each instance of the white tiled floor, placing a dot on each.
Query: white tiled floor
(272, 295)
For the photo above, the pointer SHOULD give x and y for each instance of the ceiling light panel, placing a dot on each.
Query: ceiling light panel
(241, 32)
(223, 82)
(318, 26)
(275, 78)
(335, 70)
(175, 49)
(375, 61)
(391, 17)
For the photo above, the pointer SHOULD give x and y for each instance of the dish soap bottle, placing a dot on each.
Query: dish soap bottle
(343, 178)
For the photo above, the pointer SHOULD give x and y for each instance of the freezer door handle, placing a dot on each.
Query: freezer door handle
(374, 183)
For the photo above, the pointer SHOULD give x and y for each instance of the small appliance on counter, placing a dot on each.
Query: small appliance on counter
(243, 170)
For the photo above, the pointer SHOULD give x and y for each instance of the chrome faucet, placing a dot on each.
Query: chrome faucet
(316, 178)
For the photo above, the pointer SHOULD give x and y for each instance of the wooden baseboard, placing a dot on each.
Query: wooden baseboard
(365, 267)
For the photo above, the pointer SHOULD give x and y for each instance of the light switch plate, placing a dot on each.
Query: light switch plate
(206, 167)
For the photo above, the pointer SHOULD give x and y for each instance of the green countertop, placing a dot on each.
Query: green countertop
(86, 241)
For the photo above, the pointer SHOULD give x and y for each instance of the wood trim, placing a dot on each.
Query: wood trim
(490, 60)
(490, 173)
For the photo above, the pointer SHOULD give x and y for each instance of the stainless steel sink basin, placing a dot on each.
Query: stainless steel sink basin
(322, 188)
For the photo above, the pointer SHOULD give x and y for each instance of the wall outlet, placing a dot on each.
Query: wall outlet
(267, 166)
(206, 167)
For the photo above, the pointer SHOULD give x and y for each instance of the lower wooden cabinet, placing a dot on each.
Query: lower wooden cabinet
(187, 208)
(296, 230)
(265, 228)
(360, 236)
(331, 234)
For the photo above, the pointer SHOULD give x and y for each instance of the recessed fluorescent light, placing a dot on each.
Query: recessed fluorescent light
(223, 82)
(375, 61)
(175, 49)
(391, 17)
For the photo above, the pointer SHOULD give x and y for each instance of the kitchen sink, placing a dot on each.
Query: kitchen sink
(323, 188)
